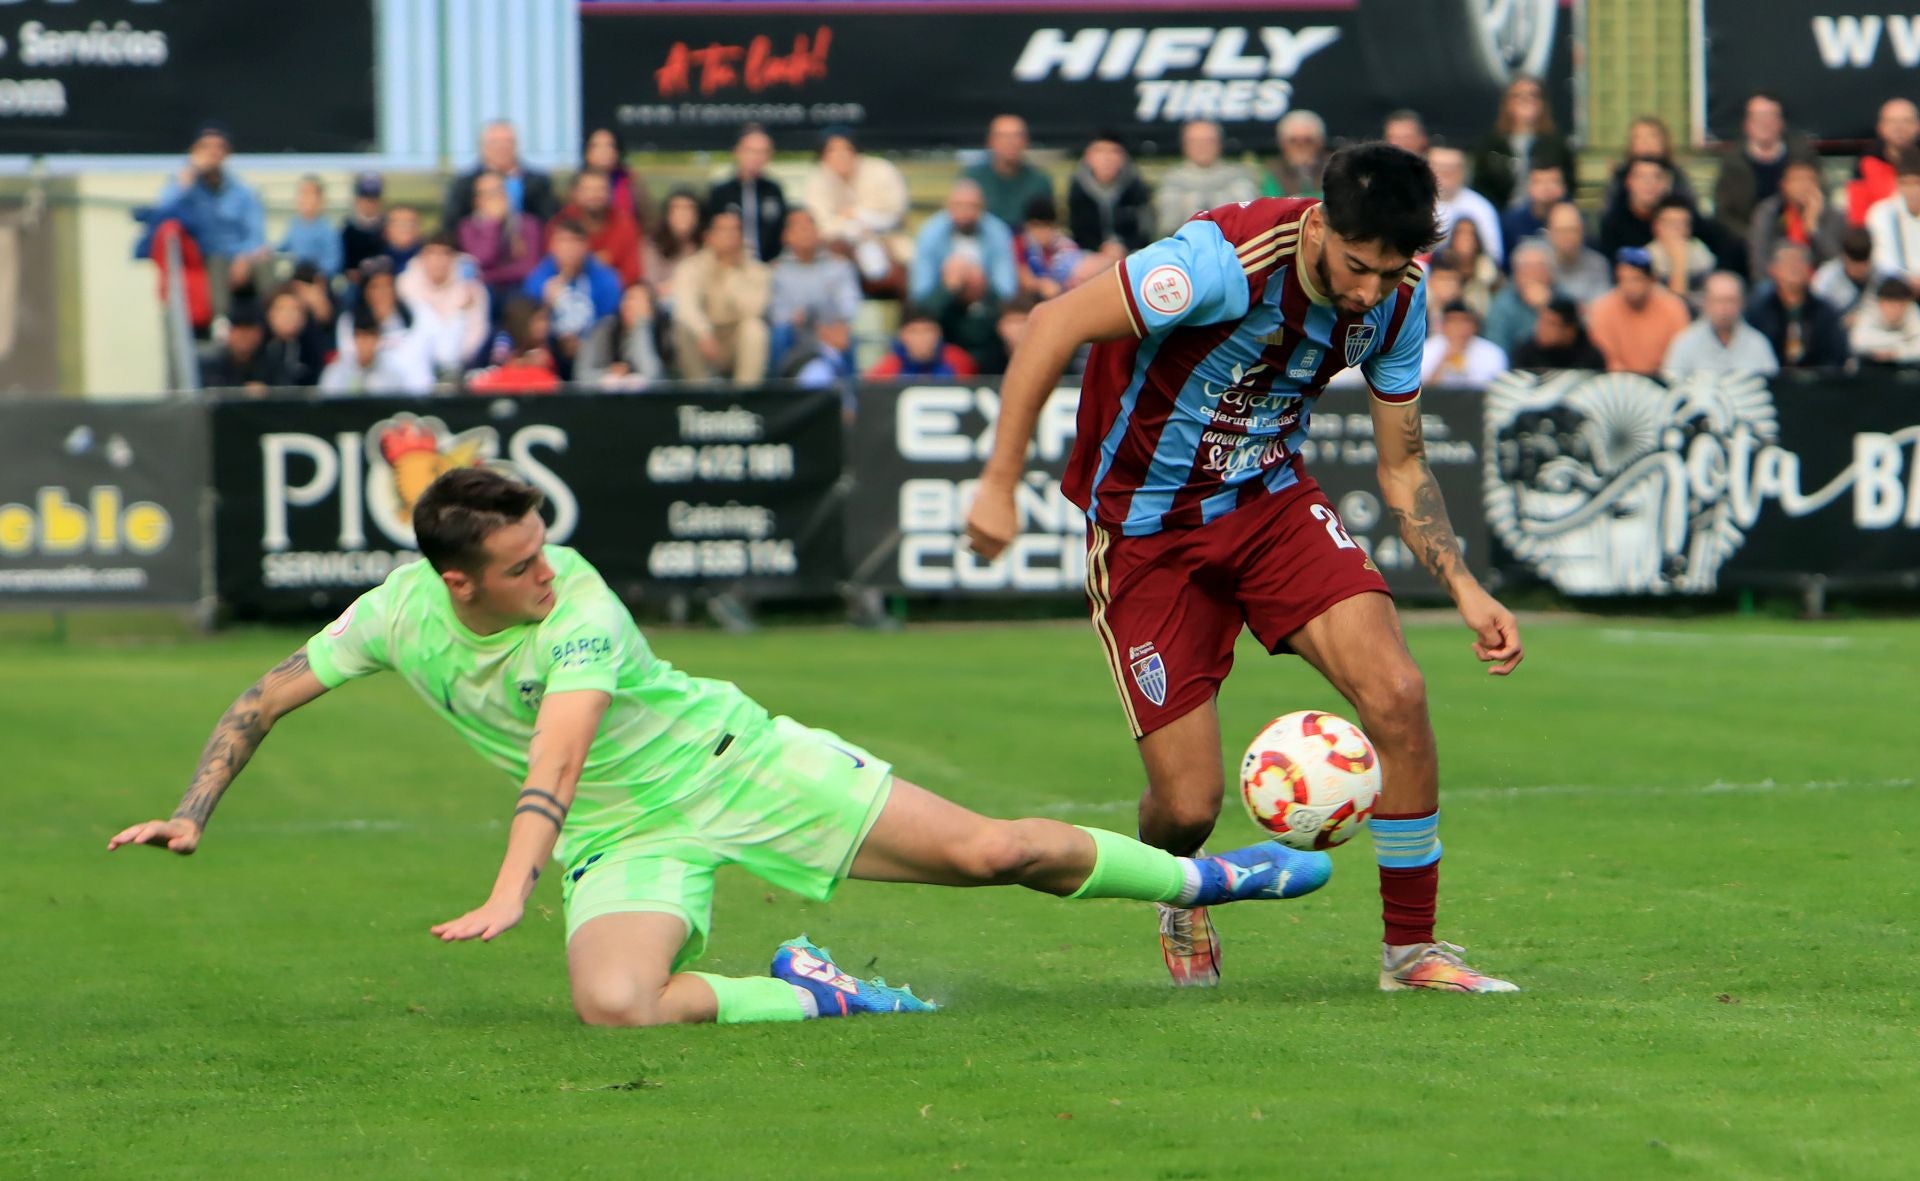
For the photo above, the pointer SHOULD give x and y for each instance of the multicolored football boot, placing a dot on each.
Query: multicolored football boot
(798, 961)
(1435, 966)
(1189, 945)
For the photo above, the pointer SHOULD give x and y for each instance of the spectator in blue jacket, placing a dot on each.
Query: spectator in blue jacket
(221, 212)
(310, 237)
(963, 268)
(577, 289)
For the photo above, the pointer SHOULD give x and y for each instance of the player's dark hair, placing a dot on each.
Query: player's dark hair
(1376, 192)
(459, 511)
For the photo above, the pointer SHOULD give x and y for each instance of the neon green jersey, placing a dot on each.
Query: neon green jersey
(659, 734)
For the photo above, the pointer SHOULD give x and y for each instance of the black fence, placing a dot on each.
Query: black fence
(1598, 484)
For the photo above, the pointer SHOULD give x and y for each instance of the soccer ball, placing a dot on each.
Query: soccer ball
(1310, 779)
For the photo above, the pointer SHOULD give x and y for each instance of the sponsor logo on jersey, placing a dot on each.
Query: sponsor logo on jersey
(1167, 290)
(1150, 674)
(1358, 340)
(581, 651)
(1306, 364)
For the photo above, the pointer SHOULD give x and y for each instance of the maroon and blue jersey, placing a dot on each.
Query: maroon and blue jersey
(1205, 410)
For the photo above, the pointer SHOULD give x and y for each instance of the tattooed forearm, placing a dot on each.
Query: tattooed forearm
(1419, 510)
(234, 739)
(543, 804)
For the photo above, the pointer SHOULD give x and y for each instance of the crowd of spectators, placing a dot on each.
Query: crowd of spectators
(522, 283)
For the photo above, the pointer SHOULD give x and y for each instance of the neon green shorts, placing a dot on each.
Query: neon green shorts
(790, 805)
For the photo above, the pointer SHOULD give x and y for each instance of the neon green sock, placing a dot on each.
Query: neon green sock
(753, 998)
(1125, 868)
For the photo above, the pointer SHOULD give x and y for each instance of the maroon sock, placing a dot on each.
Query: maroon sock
(1407, 901)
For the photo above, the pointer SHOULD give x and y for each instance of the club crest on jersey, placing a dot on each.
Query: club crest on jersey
(532, 693)
(1150, 673)
(1358, 340)
(1306, 364)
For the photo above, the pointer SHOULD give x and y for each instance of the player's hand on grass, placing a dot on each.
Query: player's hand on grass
(1496, 635)
(992, 522)
(176, 835)
(495, 916)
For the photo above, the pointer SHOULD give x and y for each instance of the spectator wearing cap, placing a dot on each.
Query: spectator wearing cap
(1045, 258)
(525, 366)
(1894, 223)
(920, 351)
(221, 211)
(1633, 324)
(528, 190)
(504, 244)
(310, 238)
(1202, 180)
(813, 293)
(1647, 184)
(1008, 180)
(577, 289)
(1457, 201)
(1302, 162)
(1753, 166)
(720, 311)
(1579, 272)
(1897, 131)
(1523, 138)
(1799, 212)
(1889, 332)
(402, 236)
(1804, 329)
(241, 361)
(1459, 357)
(860, 201)
(363, 235)
(624, 351)
(1647, 136)
(1557, 341)
(752, 194)
(1109, 209)
(449, 303)
(1720, 341)
(613, 233)
(1848, 280)
(1681, 262)
(963, 268)
(1517, 304)
(1546, 188)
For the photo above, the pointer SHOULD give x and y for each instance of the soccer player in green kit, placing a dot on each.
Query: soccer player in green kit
(641, 780)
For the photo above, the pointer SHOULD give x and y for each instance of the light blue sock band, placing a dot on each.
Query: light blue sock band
(1406, 844)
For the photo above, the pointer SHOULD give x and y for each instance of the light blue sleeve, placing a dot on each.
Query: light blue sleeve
(929, 250)
(1193, 277)
(1394, 373)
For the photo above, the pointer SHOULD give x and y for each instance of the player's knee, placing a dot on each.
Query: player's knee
(619, 1003)
(1394, 705)
(1002, 854)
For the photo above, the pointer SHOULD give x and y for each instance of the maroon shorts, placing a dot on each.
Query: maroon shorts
(1169, 606)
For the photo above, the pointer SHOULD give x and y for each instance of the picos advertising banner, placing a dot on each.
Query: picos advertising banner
(663, 492)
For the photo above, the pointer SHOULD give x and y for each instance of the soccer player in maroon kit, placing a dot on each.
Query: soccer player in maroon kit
(1211, 347)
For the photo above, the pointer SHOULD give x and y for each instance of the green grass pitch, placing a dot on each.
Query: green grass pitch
(1692, 843)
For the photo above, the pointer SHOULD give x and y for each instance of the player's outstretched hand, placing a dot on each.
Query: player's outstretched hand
(492, 918)
(992, 523)
(176, 835)
(1496, 635)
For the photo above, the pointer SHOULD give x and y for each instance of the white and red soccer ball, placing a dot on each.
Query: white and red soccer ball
(1310, 779)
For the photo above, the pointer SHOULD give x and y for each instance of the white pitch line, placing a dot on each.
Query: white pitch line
(1638, 635)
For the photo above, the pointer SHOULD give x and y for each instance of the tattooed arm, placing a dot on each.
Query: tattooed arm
(285, 687)
(562, 738)
(1413, 497)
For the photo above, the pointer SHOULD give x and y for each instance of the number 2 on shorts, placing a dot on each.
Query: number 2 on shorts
(1334, 529)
